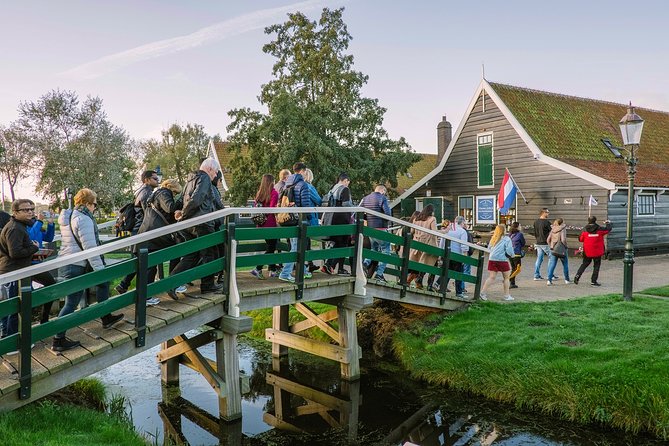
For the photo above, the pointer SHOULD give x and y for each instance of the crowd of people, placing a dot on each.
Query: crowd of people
(158, 204)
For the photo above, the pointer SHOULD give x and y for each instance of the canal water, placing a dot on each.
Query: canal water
(313, 406)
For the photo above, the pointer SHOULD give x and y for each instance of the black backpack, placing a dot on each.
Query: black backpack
(125, 221)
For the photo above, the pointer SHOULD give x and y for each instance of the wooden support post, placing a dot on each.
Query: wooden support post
(349, 419)
(404, 271)
(141, 296)
(169, 370)
(302, 246)
(280, 323)
(348, 334)
(229, 237)
(25, 338)
(479, 276)
(443, 281)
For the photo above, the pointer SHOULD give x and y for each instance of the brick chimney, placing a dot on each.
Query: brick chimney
(444, 136)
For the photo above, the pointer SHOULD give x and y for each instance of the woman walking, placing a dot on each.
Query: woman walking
(518, 241)
(501, 248)
(79, 231)
(558, 235)
(425, 220)
(267, 197)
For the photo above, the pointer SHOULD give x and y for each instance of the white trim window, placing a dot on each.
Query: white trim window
(645, 205)
(485, 165)
(466, 208)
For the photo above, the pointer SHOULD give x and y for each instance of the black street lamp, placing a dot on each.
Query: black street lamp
(631, 127)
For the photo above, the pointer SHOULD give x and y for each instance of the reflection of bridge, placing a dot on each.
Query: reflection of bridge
(37, 372)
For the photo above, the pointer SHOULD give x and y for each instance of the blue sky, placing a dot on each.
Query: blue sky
(155, 63)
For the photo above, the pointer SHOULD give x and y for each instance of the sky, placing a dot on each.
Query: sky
(159, 62)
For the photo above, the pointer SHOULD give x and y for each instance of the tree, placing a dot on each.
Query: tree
(179, 152)
(76, 146)
(16, 156)
(316, 114)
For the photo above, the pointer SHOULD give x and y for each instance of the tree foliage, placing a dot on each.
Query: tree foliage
(179, 151)
(16, 156)
(316, 114)
(76, 146)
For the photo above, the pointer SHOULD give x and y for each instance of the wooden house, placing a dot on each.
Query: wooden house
(552, 146)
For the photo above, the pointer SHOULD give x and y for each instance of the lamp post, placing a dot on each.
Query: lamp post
(631, 127)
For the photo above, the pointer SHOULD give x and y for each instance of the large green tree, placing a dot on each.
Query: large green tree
(179, 151)
(316, 114)
(76, 146)
(16, 156)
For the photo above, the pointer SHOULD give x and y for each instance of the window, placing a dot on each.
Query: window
(645, 204)
(466, 208)
(485, 160)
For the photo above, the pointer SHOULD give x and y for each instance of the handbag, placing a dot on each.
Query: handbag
(258, 219)
(559, 250)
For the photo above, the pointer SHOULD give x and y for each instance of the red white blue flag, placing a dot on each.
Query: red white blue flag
(507, 193)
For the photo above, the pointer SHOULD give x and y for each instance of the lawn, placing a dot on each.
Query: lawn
(594, 359)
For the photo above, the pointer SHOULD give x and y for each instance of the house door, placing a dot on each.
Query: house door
(407, 207)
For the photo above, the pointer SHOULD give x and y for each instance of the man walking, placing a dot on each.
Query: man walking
(198, 199)
(459, 232)
(377, 201)
(341, 195)
(542, 227)
(150, 181)
(593, 248)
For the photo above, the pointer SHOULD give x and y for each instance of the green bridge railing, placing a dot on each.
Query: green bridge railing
(240, 245)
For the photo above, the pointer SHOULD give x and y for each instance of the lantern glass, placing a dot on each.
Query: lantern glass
(631, 127)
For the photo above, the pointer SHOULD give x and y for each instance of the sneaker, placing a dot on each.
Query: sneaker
(289, 279)
(63, 344)
(483, 296)
(313, 268)
(274, 274)
(153, 301)
(461, 296)
(327, 270)
(576, 279)
(256, 273)
(181, 289)
(549, 283)
(211, 288)
(567, 282)
(513, 285)
(595, 284)
(555, 277)
(539, 278)
(508, 298)
(308, 275)
(109, 320)
(16, 352)
(120, 289)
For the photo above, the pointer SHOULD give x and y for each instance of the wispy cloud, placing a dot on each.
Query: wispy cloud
(210, 34)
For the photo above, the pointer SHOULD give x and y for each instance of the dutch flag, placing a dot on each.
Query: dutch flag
(507, 193)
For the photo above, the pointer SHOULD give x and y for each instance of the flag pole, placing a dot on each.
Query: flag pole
(516, 183)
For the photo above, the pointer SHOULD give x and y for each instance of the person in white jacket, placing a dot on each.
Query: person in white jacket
(79, 231)
(501, 249)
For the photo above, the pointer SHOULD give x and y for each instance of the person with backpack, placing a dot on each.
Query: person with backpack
(267, 197)
(518, 241)
(593, 248)
(79, 231)
(339, 196)
(199, 199)
(377, 201)
(296, 193)
(150, 181)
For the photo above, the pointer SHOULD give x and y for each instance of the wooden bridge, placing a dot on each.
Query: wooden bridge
(36, 372)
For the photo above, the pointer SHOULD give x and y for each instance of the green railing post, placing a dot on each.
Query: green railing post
(229, 237)
(302, 244)
(25, 337)
(359, 223)
(446, 260)
(406, 248)
(141, 284)
(479, 276)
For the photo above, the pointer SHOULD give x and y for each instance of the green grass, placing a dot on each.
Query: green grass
(658, 291)
(262, 319)
(595, 359)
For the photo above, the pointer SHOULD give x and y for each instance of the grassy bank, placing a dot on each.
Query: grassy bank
(59, 422)
(596, 359)
(262, 319)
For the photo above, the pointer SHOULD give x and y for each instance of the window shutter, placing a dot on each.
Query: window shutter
(485, 166)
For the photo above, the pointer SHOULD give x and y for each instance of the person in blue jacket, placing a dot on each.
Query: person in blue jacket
(39, 232)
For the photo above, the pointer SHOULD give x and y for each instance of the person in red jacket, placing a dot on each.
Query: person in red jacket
(593, 248)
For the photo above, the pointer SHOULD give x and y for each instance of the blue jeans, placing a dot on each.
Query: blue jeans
(9, 325)
(72, 300)
(287, 270)
(541, 251)
(552, 263)
(382, 247)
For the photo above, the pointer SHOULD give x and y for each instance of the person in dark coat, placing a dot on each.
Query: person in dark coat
(342, 195)
(4, 219)
(198, 199)
(593, 248)
(377, 201)
(518, 241)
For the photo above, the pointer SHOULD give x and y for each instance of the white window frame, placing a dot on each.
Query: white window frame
(473, 206)
(638, 202)
(492, 144)
(477, 220)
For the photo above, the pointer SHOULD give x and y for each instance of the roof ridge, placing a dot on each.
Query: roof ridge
(567, 96)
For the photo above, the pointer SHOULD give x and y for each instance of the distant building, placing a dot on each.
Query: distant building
(551, 144)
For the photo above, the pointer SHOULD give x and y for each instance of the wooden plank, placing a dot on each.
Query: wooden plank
(113, 336)
(306, 324)
(317, 348)
(270, 419)
(53, 363)
(308, 393)
(189, 344)
(313, 317)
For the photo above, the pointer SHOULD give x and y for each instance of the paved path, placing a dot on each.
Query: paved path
(649, 271)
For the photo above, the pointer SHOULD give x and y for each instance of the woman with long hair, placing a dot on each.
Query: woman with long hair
(518, 241)
(267, 197)
(558, 234)
(425, 219)
(501, 248)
